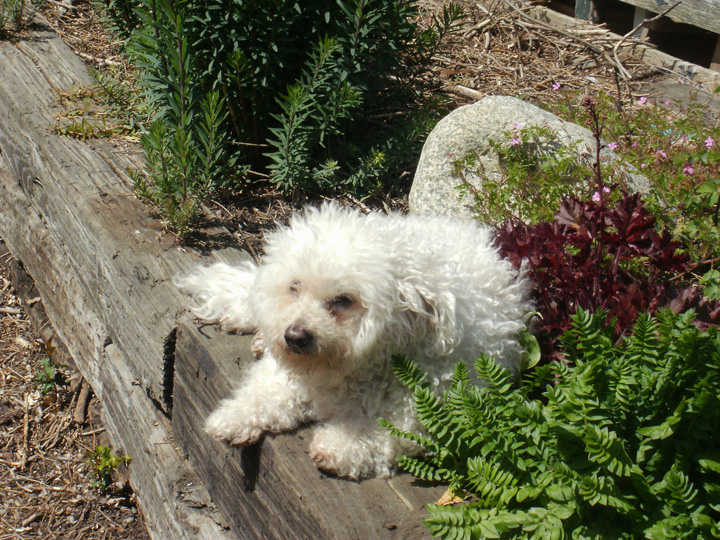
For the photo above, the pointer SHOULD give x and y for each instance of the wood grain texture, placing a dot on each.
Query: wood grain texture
(273, 490)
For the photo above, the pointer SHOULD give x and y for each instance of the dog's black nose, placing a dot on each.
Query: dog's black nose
(299, 339)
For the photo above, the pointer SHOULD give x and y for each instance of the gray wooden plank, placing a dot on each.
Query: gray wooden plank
(103, 268)
(701, 13)
(179, 506)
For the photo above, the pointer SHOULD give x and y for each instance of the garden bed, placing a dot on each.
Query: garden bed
(102, 263)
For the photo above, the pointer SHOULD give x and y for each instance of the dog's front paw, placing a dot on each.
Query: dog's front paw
(222, 425)
(258, 345)
(345, 459)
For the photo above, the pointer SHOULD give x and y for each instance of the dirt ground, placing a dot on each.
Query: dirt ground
(45, 489)
(45, 440)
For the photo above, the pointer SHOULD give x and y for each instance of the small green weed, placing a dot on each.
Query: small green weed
(50, 375)
(102, 464)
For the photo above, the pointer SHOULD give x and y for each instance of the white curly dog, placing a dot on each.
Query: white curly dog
(337, 295)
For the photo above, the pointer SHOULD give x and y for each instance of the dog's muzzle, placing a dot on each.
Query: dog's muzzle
(299, 340)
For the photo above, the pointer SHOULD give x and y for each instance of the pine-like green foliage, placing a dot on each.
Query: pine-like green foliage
(312, 94)
(623, 442)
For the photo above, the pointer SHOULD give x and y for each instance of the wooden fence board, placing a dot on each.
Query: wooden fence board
(102, 268)
(701, 13)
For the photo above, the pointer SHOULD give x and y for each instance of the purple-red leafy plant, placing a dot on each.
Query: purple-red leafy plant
(600, 257)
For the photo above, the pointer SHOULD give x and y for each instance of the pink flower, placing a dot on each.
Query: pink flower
(515, 141)
(635, 143)
(642, 101)
(596, 195)
(517, 125)
(661, 154)
(642, 166)
(612, 146)
(556, 86)
(709, 142)
(667, 102)
(688, 170)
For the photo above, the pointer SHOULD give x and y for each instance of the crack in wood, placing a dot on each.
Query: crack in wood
(169, 370)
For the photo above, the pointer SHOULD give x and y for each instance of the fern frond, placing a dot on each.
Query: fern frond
(498, 379)
(408, 372)
(461, 375)
(470, 522)
(604, 447)
(489, 483)
(439, 422)
(604, 492)
(427, 443)
(426, 468)
(678, 489)
(589, 337)
(643, 345)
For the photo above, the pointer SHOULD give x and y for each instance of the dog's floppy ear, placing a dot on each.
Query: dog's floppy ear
(430, 313)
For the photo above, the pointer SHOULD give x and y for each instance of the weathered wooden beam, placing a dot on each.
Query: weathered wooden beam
(701, 13)
(639, 15)
(273, 490)
(687, 70)
(102, 266)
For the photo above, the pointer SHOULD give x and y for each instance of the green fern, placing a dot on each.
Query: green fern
(623, 442)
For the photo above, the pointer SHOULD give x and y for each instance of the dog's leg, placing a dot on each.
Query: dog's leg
(222, 292)
(353, 448)
(268, 400)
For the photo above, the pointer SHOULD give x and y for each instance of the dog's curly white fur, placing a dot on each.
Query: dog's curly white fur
(337, 295)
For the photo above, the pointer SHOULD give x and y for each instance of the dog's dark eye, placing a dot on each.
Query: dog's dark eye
(295, 288)
(342, 302)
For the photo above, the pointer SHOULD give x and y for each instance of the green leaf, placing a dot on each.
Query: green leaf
(532, 353)
(710, 465)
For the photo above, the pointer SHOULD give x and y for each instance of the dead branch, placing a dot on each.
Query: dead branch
(464, 92)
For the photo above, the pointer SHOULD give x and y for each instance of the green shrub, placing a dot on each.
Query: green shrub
(307, 95)
(538, 171)
(623, 442)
